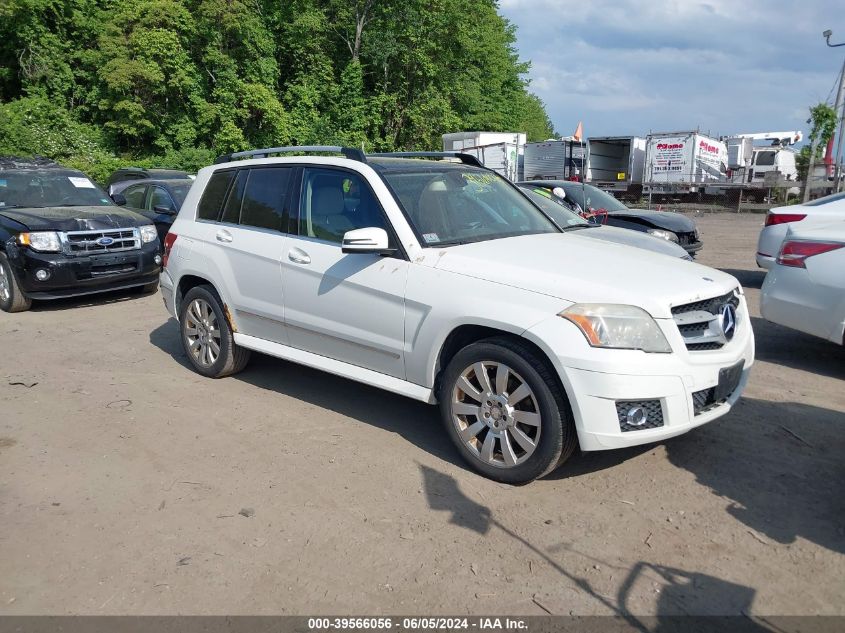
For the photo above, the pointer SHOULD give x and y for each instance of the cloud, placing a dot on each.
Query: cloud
(630, 66)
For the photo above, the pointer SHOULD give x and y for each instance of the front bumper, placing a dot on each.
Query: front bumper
(71, 276)
(596, 380)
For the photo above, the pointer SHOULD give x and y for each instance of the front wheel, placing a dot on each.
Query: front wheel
(505, 411)
(11, 297)
(206, 335)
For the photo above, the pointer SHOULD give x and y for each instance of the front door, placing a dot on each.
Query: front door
(347, 307)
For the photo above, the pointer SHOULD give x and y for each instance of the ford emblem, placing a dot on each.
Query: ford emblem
(105, 241)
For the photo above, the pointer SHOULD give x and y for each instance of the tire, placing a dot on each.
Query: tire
(202, 326)
(541, 416)
(11, 297)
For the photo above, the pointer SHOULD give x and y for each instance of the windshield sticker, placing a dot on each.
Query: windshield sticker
(480, 179)
(81, 183)
(430, 238)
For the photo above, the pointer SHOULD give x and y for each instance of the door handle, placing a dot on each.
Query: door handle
(223, 236)
(299, 256)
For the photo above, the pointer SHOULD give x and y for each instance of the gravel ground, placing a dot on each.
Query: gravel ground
(131, 485)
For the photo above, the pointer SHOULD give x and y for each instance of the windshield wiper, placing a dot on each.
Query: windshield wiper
(575, 227)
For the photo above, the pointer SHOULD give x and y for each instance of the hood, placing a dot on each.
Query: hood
(675, 222)
(580, 269)
(637, 239)
(75, 218)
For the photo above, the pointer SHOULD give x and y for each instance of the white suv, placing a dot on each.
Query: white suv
(441, 281)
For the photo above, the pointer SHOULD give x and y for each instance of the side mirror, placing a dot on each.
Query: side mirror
(160, 208)
(368, 240)
(559, 192)
(119, 199)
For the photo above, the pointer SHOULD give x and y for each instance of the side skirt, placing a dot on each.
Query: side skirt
(338, 368)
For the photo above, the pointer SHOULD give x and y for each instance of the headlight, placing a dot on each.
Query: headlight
(148, 233)
(42, 241)
(617, 326)
(666, 235)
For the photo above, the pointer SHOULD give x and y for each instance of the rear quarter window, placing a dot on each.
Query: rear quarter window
(214, 195)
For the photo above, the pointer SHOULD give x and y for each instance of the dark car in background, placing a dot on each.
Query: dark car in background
(157, 200)
(62, 236)
(140, 173)
(603, 208)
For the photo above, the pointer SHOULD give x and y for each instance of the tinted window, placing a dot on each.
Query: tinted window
(232, 208)
(215, 192)
(160, 198)
(826, 200)
(548, 202)
(135, 196)
(264, 197)
(334, 202)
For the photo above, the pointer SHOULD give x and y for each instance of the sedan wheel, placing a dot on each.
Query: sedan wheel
(5, 286)
(496, 414)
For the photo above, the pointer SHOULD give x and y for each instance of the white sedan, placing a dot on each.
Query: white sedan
(805, 289)
(823, 210)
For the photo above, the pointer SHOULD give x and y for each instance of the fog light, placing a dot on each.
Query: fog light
(42, 275)
(158, 260)
(636, 416)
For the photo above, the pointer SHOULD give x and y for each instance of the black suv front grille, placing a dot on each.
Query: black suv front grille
(109, 241)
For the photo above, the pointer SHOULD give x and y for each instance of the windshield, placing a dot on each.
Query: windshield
(554, 208)
(765, 159)
(49, 188)
(456, 205)
(595, 198)
(827, 199)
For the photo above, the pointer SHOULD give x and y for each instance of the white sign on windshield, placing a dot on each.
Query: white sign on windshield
(81, 183)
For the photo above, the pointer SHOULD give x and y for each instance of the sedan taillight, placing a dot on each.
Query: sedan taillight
(783, 218)
(796, 253)
(169, 240)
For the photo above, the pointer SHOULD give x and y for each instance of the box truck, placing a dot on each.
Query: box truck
(500, 157)
(683, 164)
(615, 164)
(554, 160)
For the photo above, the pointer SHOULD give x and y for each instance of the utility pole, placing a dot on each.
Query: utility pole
(840, 96)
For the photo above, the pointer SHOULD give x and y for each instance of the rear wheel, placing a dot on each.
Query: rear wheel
(505, 411)
(207, 337)
(11, 297)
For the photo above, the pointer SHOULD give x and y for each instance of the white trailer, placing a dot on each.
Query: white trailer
(500, 157)
(684, 163)
(554, 160)
(616, 163)
(461, 141)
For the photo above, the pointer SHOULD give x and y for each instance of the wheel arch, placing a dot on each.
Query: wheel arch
(469, 333)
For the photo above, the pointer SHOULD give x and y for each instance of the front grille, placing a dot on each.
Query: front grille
(704, 400)
(685, 239)
(89, 242)
(653, 409)
(699, 322)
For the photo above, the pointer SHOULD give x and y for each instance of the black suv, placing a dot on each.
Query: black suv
(61, 236)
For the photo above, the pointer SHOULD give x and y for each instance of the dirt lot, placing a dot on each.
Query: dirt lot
(123, 475)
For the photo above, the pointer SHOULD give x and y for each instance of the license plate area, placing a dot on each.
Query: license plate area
(729, 378)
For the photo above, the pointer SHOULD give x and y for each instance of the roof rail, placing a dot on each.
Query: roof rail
(467, 159)
(348, 152)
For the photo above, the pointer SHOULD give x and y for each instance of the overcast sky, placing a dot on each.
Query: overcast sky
(727, 66)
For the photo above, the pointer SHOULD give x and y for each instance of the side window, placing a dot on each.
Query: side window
(212, 197)
(135, 196)
(160, 198)
(334, 202)
(264, 197)
(232, 208)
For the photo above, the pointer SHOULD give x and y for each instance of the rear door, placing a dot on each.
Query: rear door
(347, 307)
(246, 244)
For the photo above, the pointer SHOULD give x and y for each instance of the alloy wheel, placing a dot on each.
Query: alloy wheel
(202, 332)
(5, 285)
(496, 414)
